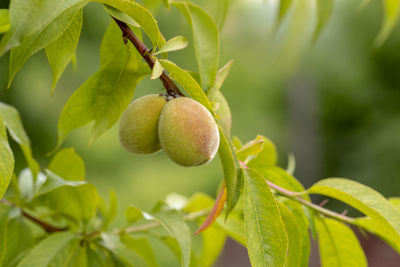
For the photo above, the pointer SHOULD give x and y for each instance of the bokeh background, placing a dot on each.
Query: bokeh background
(335, 106)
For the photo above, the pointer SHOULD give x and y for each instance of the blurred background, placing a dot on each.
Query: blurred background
(335, 106)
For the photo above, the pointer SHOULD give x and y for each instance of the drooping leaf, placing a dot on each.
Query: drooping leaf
(106, 94)
(141, 15)
(61, 51)
(32, 43)
(4, 21)
(324, 10)
(266, 238)
(112, 210)
(142, 247)
(392, 12)
(205, 39)
(173, 223)
(220, 78)
(68, 165)
(176, 43)
(338, 246)
(6, 159)
(48, 249)
(17, 132)
(31, 17)
(366, 200)
(133, 214)
(157, 70)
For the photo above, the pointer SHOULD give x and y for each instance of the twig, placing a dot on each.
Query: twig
(127, 33)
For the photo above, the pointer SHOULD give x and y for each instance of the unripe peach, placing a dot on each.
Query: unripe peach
(223, 112)
(138, 127)
(188, 132)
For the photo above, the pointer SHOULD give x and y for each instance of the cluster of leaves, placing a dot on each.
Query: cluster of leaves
(63, 218)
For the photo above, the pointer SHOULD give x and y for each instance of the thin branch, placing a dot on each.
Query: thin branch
(127, 33)
(49, 228)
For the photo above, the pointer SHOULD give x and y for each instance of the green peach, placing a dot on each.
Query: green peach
(223, 112)
(188, 132)
(138, 127)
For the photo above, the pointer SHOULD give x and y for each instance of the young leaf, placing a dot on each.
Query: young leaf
(112, 210)
(34, 42)
(266, 238)
(173, 223)
(68, 165)
(324, 9)
(30, 17)
(366, 200)
(141, 15)
(4, 21)
(338, 246)
(267, 157)
(121, 16)
(53, 182)
(48, 249)
(133, 214)
(61, 51)
(142, 247)
(4, 211)
(252, 148)
(392, 12)
(173, 44)
(6, 159)
(223, 8)
(205, 39)
(157, 70)
(220, 78)
(17, 132)
(106, 94)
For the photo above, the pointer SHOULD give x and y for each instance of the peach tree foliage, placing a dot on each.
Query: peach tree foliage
(53, 217)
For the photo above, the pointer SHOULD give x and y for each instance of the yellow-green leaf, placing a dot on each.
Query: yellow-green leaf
(392, 11)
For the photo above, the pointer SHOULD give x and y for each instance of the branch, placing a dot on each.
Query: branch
(169, 85)
(49, 228)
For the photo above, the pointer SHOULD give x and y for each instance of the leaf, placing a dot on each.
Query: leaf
(68, 165)
(44, 252)
(176, 43)
(4, 21)
(6, 159)
(141, 15)
(392, 11)
(188, 83)
(142, 247)
(291, 166)
(395, 201)
(205, 39)
(338, 246)
(17, 132)
(61, 51)
(106, 94)
(223, 8)
(220, 78)
(233, 227)
(53, 182)
(133, 214)
(157, 70)
(31, 17)
(366, 200)
(284, 7)
(120, 16)
(267, 157)
(32, 43)
(112, 210)
(252, 148)
(295, 236)
(4, 213)
(266, 238)
(173, 223)
(324, 10)
(65, 256)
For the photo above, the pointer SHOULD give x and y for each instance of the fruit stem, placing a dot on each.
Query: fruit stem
(128, 34)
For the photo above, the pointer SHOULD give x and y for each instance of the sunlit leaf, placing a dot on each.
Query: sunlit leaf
(366, 200)
(266, 157)
(4, 21)
(206, 41)
(223, 9)
(6, 159)
(392, 11)
(133, 214)
(157, 70)
(61, 51)
(173, 44)
(338, 246)
(266, 239)
(120, 16)
(68, 165)
(53, 182)
(251, 148)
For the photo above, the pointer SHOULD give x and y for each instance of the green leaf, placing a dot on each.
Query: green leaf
(188, 83)
(266, 238)
(17, 132)
(48, 249)
(366, 200)
(121, 16)
(54, 182)
(106, 94)
(127, 256)
(141, 15)
(174, 224)
(66, 255)
(173, 44)
(267, 156)
(142, 247)
(6, 159)
(205, 39)
(112, 210)
(222, 10)
(4, 213)
(157, 70)
(284, 7)
(68, 165)
(392, 11)
(29, 18)
(79, 258)
(61, 51)
(220, 78)
(4, 21)
(133, 214)
(324, 10)
(233, 227)
(395, 201)
(252, 148)
(338, 246)
(32, 43)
